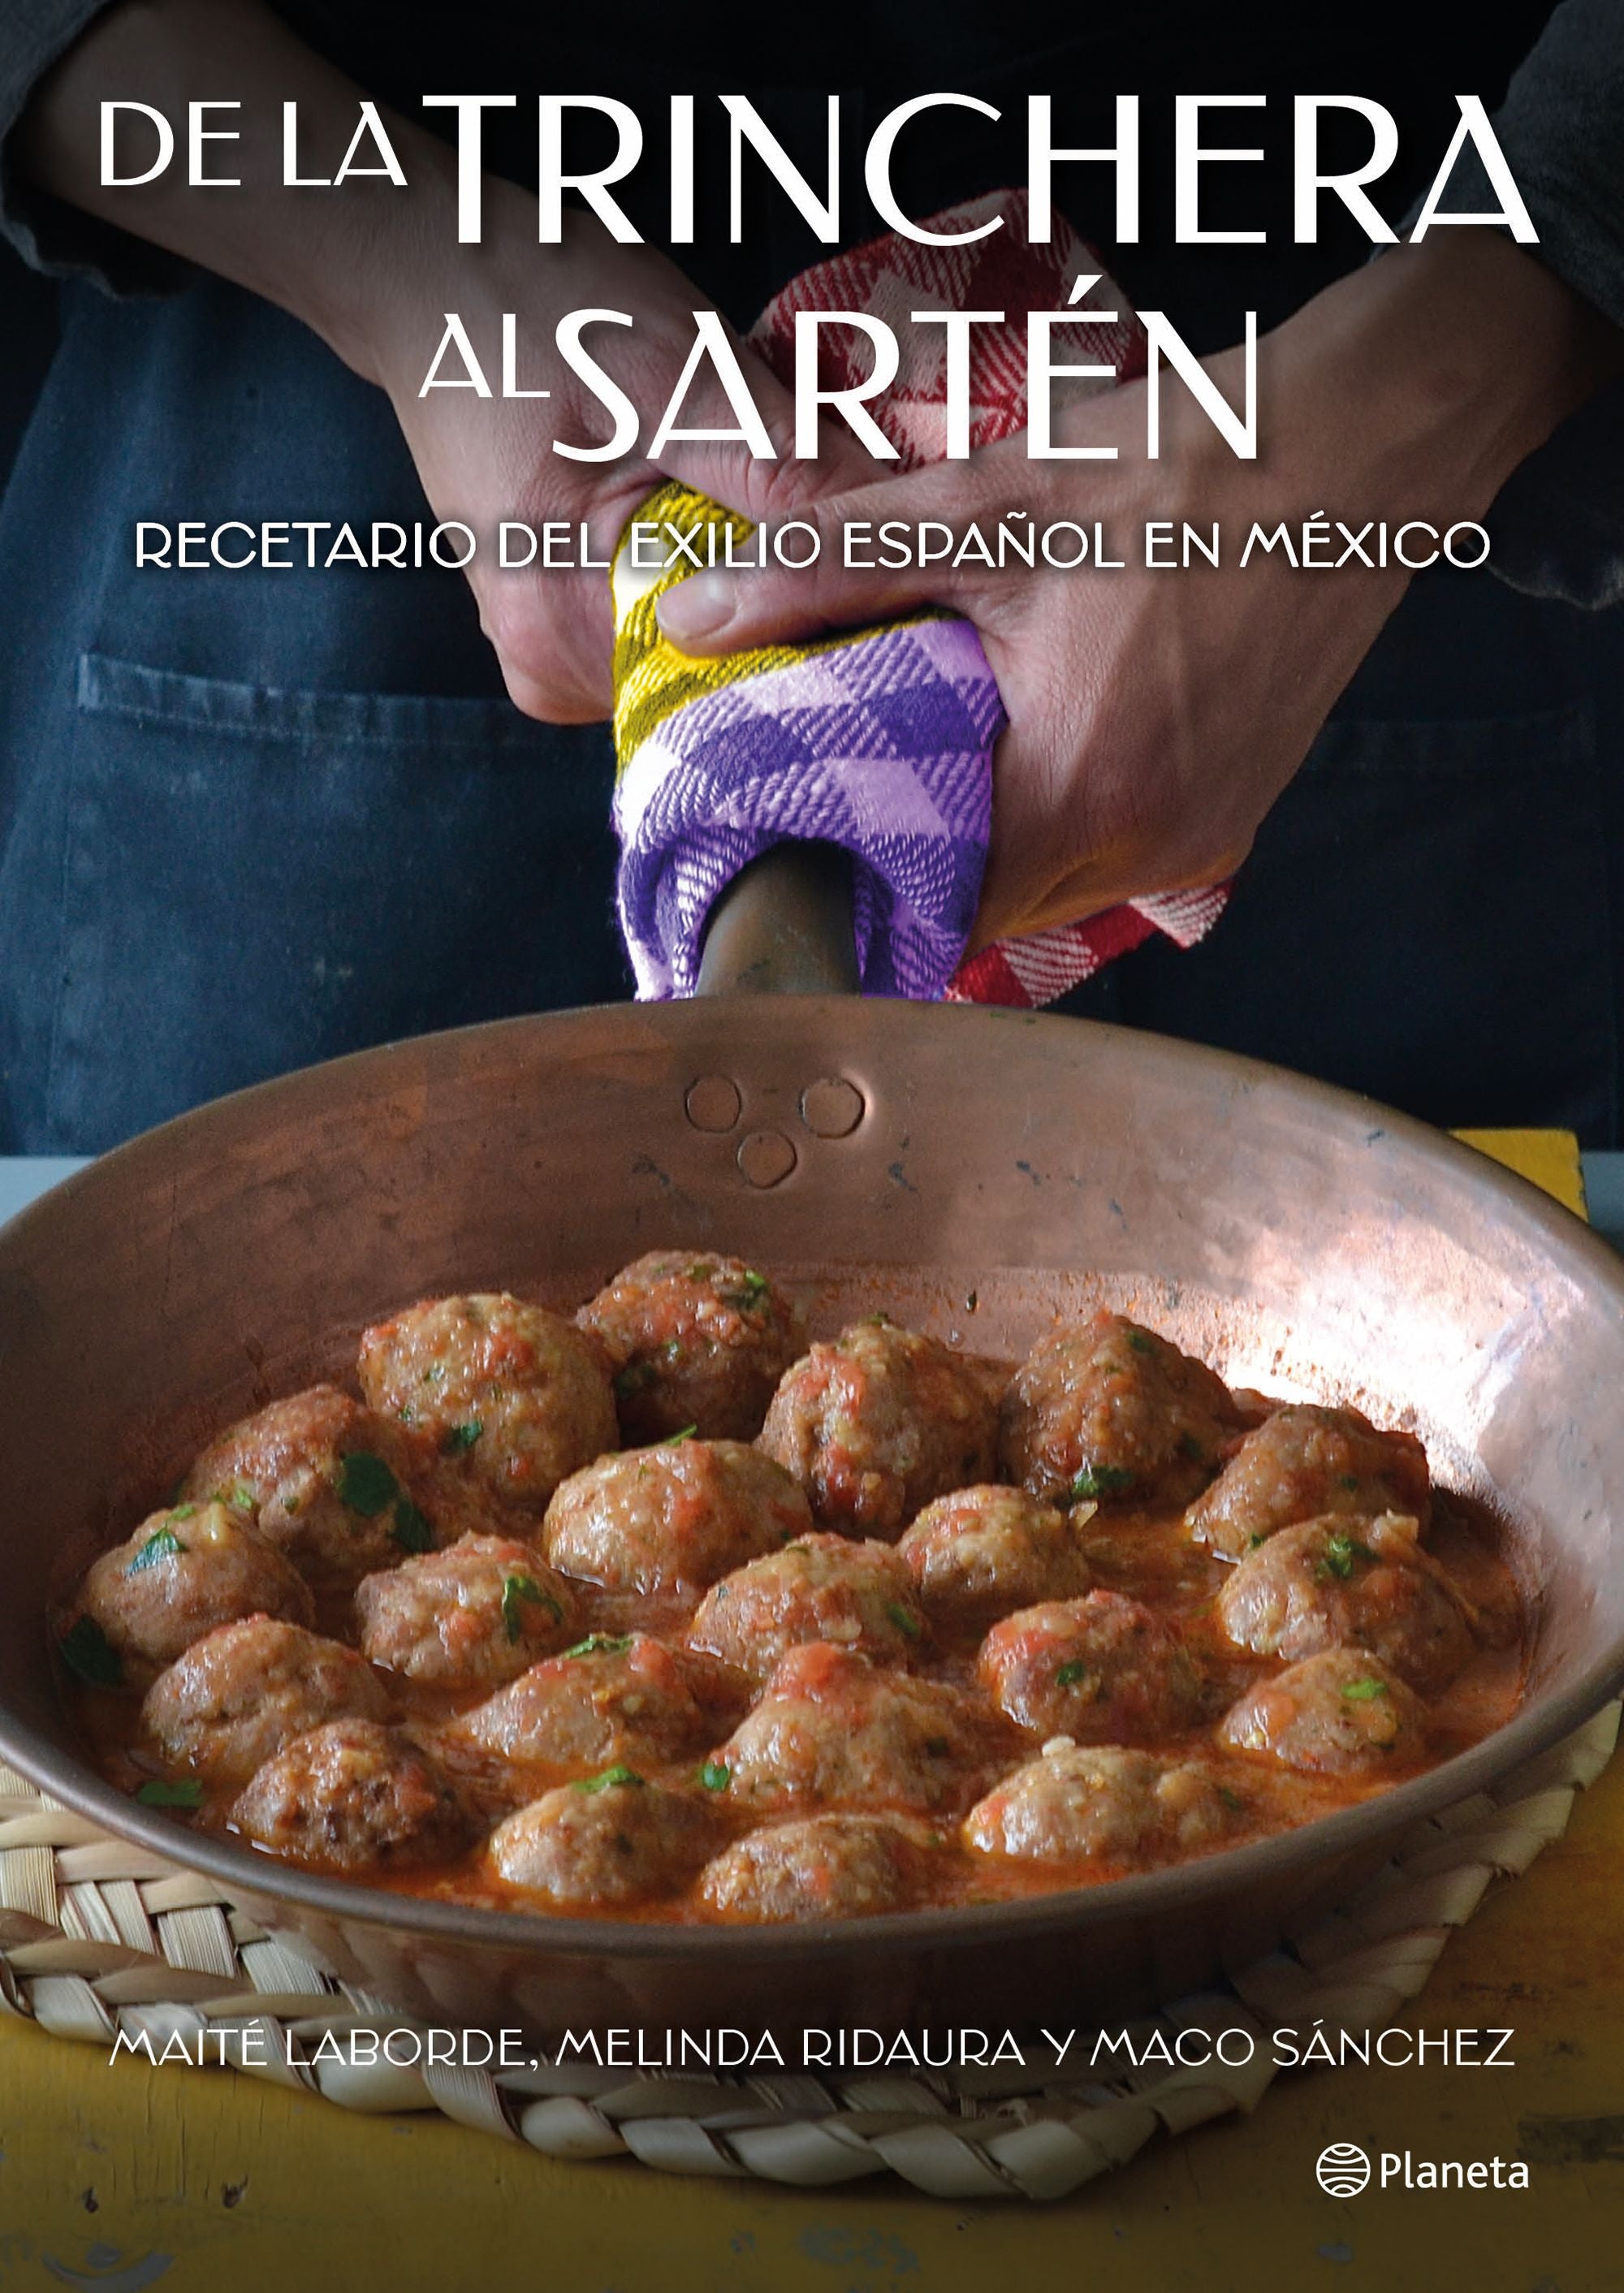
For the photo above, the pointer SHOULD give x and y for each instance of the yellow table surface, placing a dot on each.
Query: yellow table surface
(120, 2177)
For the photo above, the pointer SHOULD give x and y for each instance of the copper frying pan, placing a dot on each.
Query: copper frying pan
(1303, 1239)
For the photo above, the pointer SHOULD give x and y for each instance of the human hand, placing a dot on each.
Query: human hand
(483, 460)
(1155, 716)
(374, 271)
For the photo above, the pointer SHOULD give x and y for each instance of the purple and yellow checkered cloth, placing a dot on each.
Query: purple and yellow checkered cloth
(876, 739)
(879, 740)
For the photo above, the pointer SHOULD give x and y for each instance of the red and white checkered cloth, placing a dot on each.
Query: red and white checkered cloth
(891, 277)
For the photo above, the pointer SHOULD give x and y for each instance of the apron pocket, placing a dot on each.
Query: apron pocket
(255, 878)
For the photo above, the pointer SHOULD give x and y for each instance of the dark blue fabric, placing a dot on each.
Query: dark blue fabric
(1433, 911)
(251, 820)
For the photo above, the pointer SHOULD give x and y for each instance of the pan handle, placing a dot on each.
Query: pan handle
(783, 927)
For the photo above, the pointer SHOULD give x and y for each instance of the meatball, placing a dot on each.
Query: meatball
(479, 1612)
(612, 1838)
(1079, 1804)
(1340, 1712)
(1339, 1583)
(185, 1571)
(353, 1793)
(1301, 1464)
(878, 1423)
(824, 1866)
(672, 1518)
(695, 1340)
(820, 1588)
(1106, 1409)
(980, 1552)
(609, 1699)
(514, 1396)
(1104, 1669)
(831, 1727)
(332, 1486)
(244, 1690)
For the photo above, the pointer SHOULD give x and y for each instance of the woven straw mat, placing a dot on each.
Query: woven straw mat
(96, 1937)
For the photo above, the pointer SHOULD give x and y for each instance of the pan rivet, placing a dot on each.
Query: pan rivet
(831, 1108)
(714, 1103)
(766, 1156)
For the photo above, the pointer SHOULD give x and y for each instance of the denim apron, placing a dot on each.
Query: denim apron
(1432, 912)
(252, 820)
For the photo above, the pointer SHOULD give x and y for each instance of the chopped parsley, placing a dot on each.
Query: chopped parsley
(457, 1440)
(701, 1269)
(87, 1652)
(683, 1433)
(1190, 1448)
(615, 1778)
(163, 1544)
(365, 1484)
(1363, 1691)
(1349, 1482)
(1341, 1554)
(1141, 1342)
(1258, 1536)
(1071, 1672)
(1100, 1481)
(1232, 1798)
(158, 1793)
(906, 1623)
(517, 1589)
(601, 1644)
(412, 1530)
(244, 1497)
(752, 1288)
(636, 1377)
(716, 1775)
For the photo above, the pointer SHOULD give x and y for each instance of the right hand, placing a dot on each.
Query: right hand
(483, 460)
(373, 268)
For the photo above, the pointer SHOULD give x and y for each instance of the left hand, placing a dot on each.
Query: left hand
(1155, 716)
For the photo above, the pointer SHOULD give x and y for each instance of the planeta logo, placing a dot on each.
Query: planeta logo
(1342, 2170)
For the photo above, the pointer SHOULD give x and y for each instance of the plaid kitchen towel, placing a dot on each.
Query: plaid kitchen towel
(879, 740)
